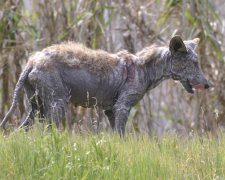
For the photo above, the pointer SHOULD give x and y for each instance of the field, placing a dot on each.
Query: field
(40, 154)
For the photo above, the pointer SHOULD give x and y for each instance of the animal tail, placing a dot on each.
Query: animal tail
(17, 93)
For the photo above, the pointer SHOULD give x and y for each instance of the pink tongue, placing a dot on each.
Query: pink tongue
(199, 86)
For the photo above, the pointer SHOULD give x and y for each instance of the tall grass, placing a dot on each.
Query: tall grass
(40, 154)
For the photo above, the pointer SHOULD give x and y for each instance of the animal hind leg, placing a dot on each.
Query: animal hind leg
(55, 111)
(35, 105)
(53, 95)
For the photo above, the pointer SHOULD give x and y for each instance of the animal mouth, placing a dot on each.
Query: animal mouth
(199, 86)
(190, 87)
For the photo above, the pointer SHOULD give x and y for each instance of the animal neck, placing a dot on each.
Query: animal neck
(157, 61)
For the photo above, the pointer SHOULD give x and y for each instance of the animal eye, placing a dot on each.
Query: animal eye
(195, 59)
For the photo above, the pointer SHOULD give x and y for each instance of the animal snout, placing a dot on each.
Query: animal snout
(200, 84)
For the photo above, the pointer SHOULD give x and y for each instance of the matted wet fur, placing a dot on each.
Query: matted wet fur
(77, 55)
(74, 55)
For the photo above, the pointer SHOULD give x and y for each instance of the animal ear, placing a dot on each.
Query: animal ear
(177, 45)
(194, 43)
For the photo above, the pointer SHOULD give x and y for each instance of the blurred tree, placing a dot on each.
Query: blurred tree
(9, 26)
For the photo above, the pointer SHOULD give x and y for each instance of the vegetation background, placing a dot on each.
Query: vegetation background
(27, 26)
(30, 25)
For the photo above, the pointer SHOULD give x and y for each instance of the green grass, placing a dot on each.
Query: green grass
(44, 155)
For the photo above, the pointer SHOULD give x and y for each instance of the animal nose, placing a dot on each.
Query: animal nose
(208, 85)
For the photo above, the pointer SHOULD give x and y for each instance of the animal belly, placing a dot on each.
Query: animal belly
(89, 99)
(88, 90)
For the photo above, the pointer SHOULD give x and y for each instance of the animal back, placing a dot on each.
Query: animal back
(74, 55)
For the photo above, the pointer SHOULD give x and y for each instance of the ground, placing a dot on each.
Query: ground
(40, 154)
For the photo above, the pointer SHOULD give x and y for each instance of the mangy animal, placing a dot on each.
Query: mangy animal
(70, 72)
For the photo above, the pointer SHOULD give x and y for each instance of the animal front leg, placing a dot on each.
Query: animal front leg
(121, 116)
(123, 106)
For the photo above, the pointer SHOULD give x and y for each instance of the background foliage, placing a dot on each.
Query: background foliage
(30, 25)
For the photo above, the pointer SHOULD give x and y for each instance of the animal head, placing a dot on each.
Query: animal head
(185, 66)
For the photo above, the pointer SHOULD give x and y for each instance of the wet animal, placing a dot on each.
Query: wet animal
(72, 73)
